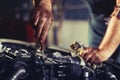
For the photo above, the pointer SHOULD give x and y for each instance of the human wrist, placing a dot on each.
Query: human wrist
(44, 3)
(106, 50)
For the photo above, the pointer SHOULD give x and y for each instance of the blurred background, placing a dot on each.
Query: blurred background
(70, 22)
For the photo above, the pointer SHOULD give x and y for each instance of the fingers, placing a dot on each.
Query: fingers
(90, 55)
(85, 51)
(44, 32)
(40, 27)
(94, 60)
(40, 32)
(41, 20)
(35, 18)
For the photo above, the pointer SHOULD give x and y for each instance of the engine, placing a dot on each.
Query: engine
(24, 61)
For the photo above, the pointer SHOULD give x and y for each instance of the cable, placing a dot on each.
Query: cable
(18, 74)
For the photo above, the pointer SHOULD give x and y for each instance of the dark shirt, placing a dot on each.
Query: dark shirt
(102, 6)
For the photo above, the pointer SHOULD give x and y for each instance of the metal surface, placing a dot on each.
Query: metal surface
(22, 61)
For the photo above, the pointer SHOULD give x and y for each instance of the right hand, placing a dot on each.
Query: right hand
(41, 19)
(95, 55)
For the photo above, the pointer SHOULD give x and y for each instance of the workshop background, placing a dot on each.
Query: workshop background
(70, 22)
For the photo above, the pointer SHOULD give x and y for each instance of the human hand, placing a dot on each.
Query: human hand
(94, 55)
(41, 20)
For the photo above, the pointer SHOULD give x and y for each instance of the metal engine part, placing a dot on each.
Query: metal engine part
(22, 61)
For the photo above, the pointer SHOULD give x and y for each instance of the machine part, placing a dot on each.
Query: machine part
(25, 62)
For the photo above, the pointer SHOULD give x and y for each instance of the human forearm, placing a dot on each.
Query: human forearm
(112, 37)
(110, 41)
(108, 45)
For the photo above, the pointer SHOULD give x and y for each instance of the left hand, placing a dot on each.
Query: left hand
(94, 55)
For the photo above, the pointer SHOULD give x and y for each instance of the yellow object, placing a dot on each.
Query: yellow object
(77, 48)
(80, 51)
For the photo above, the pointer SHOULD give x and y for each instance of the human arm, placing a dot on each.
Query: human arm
(109, 43)
(41, 19)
